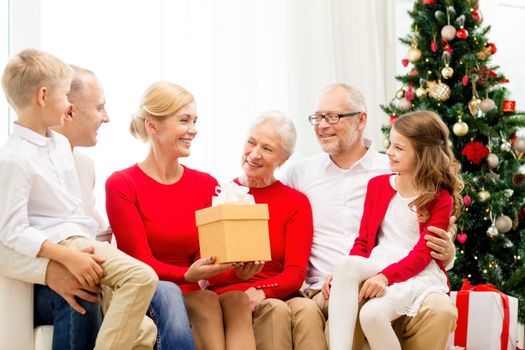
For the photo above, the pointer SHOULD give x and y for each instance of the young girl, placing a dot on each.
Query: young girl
(390, 256)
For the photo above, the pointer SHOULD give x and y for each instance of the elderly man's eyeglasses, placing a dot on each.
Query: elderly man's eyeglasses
(315, 119)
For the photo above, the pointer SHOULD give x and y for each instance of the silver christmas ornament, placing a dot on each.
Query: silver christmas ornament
(492, 160)
(503, 224)
(492, 231)
(448, 32)
(505, 146)
(404, 105)
(487, 105)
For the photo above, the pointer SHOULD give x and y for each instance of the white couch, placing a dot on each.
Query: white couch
(16, 314)
(16, 318)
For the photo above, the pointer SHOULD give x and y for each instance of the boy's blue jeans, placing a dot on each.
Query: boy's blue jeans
(73, 331)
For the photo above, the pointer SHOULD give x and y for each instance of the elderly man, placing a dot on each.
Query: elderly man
(335, 183)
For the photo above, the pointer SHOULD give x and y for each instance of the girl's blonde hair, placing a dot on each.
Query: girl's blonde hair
(160, 100)
(436, 168)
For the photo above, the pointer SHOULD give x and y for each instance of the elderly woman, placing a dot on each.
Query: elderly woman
(269, 144)
(151, 208)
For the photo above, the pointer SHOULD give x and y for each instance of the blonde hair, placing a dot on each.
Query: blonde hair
(282, 125)
(160, 100)
(436, 168)
(28, 71)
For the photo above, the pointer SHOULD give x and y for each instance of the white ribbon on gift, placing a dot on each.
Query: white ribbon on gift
(231, 193)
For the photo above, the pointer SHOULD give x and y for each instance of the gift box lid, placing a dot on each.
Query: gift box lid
(232, 212)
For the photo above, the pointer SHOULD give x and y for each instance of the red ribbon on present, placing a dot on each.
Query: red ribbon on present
(462, 304)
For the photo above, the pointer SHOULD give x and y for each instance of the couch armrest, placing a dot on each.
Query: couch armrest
(16, 314)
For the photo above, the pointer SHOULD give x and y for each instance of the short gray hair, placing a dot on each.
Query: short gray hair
(284, 127)
(77, 91)
(356, 99)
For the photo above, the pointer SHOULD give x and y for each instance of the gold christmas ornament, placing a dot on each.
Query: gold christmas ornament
(421, 91)
(504, 224)
(400, 93)
(487, 105)
(460, 128)
(414, 54)
(492, 160)
(447, 72)
(403, 104)
(473, 106)
(484, 195)
(448, 32)
(439, 91)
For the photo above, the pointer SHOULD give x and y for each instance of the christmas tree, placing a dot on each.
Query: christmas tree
(450, 71)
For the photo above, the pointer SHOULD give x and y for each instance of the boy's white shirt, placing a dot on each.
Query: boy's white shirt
(33, 269)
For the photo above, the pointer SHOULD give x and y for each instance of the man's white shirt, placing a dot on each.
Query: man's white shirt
(337, 198)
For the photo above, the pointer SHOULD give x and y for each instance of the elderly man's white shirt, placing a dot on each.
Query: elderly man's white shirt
(337, 198)
(41, 197)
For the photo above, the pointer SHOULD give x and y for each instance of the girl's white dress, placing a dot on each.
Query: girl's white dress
(397, 235)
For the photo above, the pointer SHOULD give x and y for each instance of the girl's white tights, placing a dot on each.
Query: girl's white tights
(376, 314)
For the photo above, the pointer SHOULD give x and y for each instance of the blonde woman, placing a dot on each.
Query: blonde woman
(151, 208)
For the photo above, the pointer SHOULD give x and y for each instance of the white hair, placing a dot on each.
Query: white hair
(282, 125)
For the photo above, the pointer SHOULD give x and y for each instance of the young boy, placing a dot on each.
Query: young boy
(40, 203)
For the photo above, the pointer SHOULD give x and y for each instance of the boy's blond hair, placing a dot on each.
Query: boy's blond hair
(28, 71)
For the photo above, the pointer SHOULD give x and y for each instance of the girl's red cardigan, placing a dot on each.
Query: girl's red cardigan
(378, 195)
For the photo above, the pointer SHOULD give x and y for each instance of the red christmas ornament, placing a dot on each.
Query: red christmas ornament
(476, 16)
(393, 118)
(465, 80)
(404, 62)
(461, 237)
(475, 152)
(413, 72)
(492, 47)
(429, 2)
(509, 106)
(433, 47)
(467, 200)
(462, 34)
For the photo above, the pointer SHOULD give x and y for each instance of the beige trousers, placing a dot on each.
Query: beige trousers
(147, 336)
(428, 330)
(284, 325)
(132, 283)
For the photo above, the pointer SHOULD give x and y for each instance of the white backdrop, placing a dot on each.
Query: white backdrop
(238, 57)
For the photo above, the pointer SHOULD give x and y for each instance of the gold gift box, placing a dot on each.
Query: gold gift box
(234, 232)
